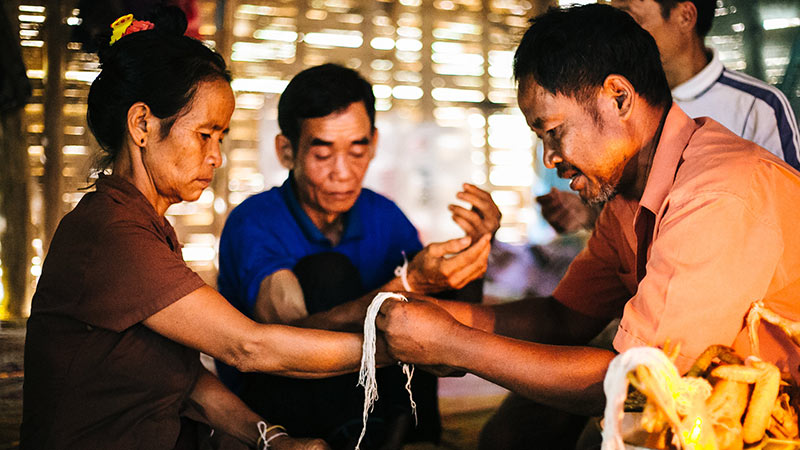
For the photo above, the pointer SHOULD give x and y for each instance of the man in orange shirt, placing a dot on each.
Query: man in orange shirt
(698, 223)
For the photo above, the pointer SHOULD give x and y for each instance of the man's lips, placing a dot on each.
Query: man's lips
(341, 195)
(569, 171)
(578, 182)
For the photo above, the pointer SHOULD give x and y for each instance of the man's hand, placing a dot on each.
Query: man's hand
(483, 218)
(566, 212)
(448, 265)
(415, 331)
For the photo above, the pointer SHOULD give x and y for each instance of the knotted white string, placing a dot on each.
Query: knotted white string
(262, 431)
(402, 272)
(366, 376)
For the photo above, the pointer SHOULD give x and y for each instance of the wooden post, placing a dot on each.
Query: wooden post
(15, 231)
(56, 33)
(15, 208)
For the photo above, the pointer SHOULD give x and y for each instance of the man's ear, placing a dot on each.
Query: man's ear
(684, 14)
(284, 151)
(620, 91)
(140, 123)
(373, 143)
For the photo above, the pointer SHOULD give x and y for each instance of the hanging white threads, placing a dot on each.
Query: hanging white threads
(366, 376)
(402, 272)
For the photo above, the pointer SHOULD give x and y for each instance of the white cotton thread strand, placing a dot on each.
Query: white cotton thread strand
(366, 376)
(408, 369)
(262, 431)
(402, 272)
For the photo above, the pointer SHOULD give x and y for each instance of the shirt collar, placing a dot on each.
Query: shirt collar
(123, 191)
(678, 129)
(353, 227)
(697, 85)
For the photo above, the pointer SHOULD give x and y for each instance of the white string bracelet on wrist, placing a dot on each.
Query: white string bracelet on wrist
(263, 429)
(366, 376)
(402, 272)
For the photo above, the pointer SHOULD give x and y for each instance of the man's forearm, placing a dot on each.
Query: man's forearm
(545, 320)
(348, 316)
(568, 378)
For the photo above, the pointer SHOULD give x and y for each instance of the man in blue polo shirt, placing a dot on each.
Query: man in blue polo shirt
(314, 251)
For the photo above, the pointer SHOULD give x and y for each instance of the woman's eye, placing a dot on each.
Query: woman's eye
(205, 136)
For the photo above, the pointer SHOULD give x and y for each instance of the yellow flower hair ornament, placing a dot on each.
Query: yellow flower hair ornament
(126, 25)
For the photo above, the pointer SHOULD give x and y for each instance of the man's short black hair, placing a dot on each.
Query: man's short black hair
(571, 51)
(705, 13)
(319, 91)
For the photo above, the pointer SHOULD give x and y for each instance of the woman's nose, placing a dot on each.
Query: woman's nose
(215, 157)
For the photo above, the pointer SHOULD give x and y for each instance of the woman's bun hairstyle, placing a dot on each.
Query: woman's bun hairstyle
(159, 67)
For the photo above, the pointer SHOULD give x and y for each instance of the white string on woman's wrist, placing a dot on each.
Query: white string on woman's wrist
(263, 429)
(402, 272)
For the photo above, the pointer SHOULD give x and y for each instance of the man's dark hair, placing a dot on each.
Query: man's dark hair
(319, 91)
(705, 13)
(571, 51)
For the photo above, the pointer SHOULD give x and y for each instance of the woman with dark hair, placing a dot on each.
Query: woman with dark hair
(111, 355)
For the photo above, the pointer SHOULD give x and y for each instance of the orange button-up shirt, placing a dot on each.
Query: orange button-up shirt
(726, 232)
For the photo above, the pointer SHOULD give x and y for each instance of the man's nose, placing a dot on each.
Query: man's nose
(550, 157)
(341, 167)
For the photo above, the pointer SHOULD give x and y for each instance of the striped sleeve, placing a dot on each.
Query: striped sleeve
(772, 99)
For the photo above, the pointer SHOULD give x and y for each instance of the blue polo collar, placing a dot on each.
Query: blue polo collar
(353, 226)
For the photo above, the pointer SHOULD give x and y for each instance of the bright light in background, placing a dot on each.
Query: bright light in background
(447, 47)
(457, 95)
(407, 92)
(270, 50)
(265, 85)
(31, 8)
(334, 38)
(382, 91)
(408, 45)
(275, 35)
(511, 176)
(195, 253)
(409, 32)
(257, 10)
(457, 58)
(780, 23)
(382, 43)
(31, 18)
